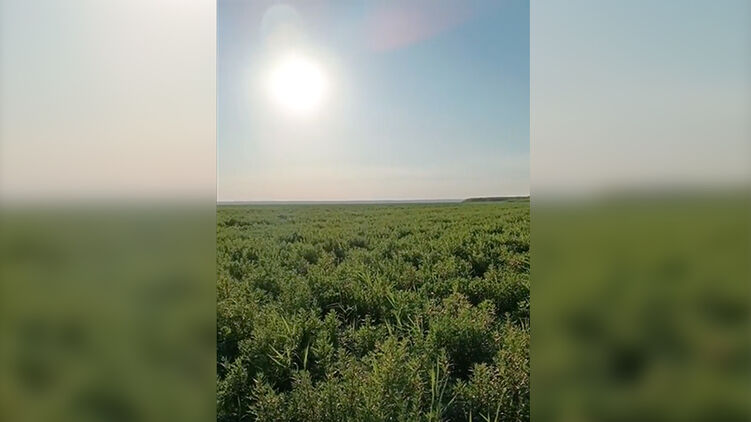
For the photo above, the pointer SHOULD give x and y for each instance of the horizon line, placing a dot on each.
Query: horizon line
(361, 201)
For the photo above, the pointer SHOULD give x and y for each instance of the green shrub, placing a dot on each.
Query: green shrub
(464, 331)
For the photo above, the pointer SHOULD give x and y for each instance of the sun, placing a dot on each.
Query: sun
(297, 83)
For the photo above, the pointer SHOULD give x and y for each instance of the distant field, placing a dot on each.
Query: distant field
(373, 312)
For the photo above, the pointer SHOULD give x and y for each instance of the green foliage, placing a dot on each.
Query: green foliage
(373, 313)
(463, 331)
(504, 381)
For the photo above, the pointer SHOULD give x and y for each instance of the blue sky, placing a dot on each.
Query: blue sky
(425, 100)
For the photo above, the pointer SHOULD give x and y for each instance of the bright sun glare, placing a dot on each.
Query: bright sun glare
(297, 83)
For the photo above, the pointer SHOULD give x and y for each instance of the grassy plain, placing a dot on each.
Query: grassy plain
(642, 308)
(107, 314)
(399, 312)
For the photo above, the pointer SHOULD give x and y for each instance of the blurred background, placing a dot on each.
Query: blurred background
(640, 149)
(640, 158)
(107, 194)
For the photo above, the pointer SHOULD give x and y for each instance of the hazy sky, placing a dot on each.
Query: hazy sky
(423, 99)
(640, 94)
(110, 99)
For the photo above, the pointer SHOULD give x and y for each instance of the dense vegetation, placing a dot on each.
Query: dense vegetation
(373, 312)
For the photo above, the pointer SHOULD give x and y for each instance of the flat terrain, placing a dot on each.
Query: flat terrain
(408, 312)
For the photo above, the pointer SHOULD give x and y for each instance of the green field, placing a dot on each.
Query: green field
(392, 312)
(642, 309)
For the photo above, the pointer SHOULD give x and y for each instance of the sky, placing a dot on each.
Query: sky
(135, 98)
(107, 100)
(422, 100)
(640, 94)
